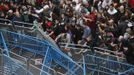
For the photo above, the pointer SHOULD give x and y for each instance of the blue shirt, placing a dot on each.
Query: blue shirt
(87, 32)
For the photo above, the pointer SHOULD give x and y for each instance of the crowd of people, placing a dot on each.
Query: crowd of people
(98, 23)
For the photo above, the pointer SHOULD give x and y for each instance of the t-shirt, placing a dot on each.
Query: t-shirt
(92, 24)
(105, 3)
(131, 2)
(114, 11)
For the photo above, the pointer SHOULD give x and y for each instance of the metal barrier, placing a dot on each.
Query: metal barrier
(100, 66)
(24, 24)
(101, 61)
(4, 45)
(11, 66)
(28, 64)
(100, 52)
(72, 67)
(25, 28)
(97, 63)
(52, 56)
(20, 27)
(2, 20)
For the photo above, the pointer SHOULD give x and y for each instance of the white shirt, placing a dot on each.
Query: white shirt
(85, 1)
(77, 7)
(104, 3)
(112, 12)
(42, 9)
(76, 1)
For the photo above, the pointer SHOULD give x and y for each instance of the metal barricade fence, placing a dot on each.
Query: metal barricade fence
(101, 66)
(29, 65)
(102, 61)
(23, 24)
(25, 28)
(11, 66)
(20, 27)
(14, 40)
(21, 41)
(4, 21)
(37, 47)
(17, 23)
(97, 63)
(62, 60)
(100, 52)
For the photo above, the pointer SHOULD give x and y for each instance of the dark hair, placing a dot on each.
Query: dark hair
(123, 18)
(102, 20)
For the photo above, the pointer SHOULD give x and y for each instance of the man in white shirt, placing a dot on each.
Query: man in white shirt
(112, 10)
(64, 38)
(106, 3)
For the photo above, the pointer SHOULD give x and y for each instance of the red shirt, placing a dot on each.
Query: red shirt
(39, 1)
(49, 24)
(92, 24)
(1, 8)
(131, 2)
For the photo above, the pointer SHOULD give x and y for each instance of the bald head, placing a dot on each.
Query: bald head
(121, 8)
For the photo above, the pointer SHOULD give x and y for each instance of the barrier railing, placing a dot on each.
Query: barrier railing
(43, 48)
(4, 44)
(95, 63)
(29, 65)
(79, 46)
(101, 52)
(25, 28)
(10, 66)
(17, 23)
(4, 21)
(24, 24)
(102, 66)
